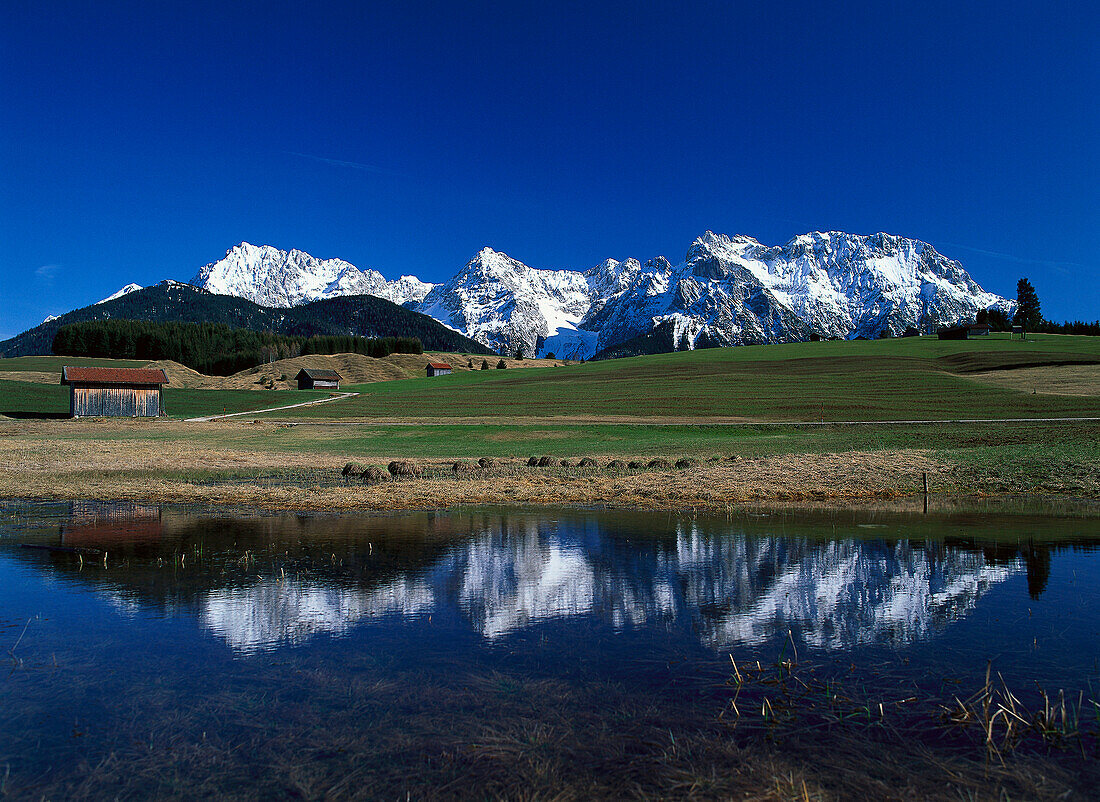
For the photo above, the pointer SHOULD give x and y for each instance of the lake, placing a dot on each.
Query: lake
(176, 652)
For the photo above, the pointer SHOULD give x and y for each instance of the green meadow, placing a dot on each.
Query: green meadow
(911, 378)
(55, 363)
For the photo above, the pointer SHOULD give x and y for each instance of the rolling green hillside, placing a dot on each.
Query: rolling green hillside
(911, 378)
(915, 378)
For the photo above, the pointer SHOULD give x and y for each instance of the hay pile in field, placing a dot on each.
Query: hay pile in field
(404, 467)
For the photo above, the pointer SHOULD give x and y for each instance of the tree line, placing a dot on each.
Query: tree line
(211, 348)
(1029, 314)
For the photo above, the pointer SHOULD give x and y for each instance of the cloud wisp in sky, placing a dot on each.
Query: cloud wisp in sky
(1062, 267)
(367, 168)
(46, 272)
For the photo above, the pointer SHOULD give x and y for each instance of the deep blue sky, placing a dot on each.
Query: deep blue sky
(139, 142)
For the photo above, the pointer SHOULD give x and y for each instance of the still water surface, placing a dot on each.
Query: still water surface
(166, 650)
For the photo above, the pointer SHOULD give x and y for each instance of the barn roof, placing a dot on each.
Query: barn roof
(321, 374)
(439, 365)
(83, 375)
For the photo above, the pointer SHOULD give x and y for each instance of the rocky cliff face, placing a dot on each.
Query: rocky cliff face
(726, 291)
(272, 277)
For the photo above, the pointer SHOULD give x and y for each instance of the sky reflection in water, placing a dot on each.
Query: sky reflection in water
(269, 582)
(313, 626)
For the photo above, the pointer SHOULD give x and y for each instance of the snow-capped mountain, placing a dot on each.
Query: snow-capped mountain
(272, 277)
(507, 305)
(727, 291)
(129, 288)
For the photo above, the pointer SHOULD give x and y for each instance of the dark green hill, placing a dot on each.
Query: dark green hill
(360, 315)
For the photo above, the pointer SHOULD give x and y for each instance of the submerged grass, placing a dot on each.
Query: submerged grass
(369, 731)
(389, 720)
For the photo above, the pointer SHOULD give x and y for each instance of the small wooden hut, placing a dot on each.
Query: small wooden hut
(954, 333)
(114, 392)
(438, 369)
(318, 379)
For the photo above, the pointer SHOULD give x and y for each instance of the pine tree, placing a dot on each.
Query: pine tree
(1028, 313)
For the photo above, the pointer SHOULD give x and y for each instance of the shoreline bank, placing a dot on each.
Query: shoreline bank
(887, 480)
(689, 468)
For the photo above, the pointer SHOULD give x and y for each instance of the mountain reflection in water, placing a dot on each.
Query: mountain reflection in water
(735, 590)
(264, 582)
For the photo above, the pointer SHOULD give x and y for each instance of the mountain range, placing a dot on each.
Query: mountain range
(173, 301)
(726, 291)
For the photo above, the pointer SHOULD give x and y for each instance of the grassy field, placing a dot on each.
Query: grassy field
(909, 378)
(55, 363)
(298, 467)
(912, 378)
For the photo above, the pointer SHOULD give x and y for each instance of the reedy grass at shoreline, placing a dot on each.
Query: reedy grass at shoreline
(295, 467)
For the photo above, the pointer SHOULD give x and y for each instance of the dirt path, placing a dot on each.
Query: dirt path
(329, 400)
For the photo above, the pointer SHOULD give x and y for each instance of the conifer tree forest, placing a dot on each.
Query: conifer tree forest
(211, 348)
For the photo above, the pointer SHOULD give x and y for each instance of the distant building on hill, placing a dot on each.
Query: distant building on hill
(114, 392)
(318, 379)
(438, 369)
(953, 333)
(963, 332)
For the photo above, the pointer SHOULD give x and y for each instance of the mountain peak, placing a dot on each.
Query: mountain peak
(129, 288)
(269, 276)
(729, 290)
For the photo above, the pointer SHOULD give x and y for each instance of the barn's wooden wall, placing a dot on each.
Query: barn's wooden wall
(115, 402)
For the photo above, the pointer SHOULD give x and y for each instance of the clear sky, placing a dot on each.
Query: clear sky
(141, 141)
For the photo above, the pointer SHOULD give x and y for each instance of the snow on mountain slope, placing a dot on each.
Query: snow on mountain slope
(129, 288)
(850, 285)
(726, 291)
(507, 305)
(272, 277)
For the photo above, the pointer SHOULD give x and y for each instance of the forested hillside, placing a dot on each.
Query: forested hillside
(353, 315)
(211, 348)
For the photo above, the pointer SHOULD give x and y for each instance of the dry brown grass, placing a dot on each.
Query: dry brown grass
(1046, 380)
(111, 465)
(353, 368)
(38, 377)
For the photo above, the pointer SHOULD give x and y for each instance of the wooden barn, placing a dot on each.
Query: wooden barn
(318, 379)
(954, 333)
(114, 392)
(963, 332)
(438, 369)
